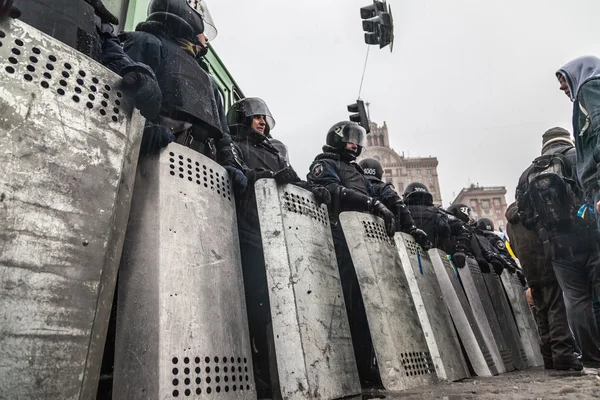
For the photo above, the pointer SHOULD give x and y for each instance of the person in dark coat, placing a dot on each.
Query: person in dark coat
(556, 345)
(433, 220)
(250, 123)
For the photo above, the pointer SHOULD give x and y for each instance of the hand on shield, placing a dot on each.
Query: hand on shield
(459, 259)
(155, 137)
(379, 209)
(238, 180)
(145, 92)
(420, 237)
(322, 195)
(285, 176)
(7, 9)
(529, 297)
(102, 12)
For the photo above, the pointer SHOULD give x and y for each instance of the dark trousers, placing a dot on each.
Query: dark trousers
(576, 262)
(556, 345)
(357, 317)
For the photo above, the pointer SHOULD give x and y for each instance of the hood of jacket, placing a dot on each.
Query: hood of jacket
(579, 70)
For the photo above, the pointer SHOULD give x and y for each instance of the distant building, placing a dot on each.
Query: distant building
(488, 202)
(400, 170)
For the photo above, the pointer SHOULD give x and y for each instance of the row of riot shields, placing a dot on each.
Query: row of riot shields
(69, 148)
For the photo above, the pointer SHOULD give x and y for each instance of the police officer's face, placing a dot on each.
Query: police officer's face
(352, 147)
(259, 124)
(563, 85)
(202, 39)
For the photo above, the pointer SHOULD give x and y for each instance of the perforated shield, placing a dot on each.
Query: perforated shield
(402, 354)
(434, 316)
(508, 326)
(313, 346)
(182, 328)
(68, 150)
(524, 318)
(483, 310)
(465, 322)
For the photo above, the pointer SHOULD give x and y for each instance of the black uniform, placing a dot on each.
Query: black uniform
(430, 219)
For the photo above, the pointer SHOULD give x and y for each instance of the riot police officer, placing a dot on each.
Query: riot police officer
(250, 124)
(463, 241)
(385, 191)
(86, 25)
(174, 34)
(427, 217)
(485, 228)
(336, 169)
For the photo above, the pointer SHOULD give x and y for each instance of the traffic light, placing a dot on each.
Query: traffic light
(359, 114)
(378, 24)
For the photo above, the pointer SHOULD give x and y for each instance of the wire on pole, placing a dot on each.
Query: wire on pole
(363, 73)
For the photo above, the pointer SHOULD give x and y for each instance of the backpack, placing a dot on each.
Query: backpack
(552, 195)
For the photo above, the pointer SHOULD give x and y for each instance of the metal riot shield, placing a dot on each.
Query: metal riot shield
(401, 349)
(465, 322)
(182, 328)
(68, 148)
(505, 318)
(524, 318)
(312, 342)
(434, 316)
(483, 310)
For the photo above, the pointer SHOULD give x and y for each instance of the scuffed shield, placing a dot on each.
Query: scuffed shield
(508, 326)
(524, 318)
(402, 354)
(483, 310)
(434, 316)
(465, 322)
(312, 342)
(182, 328)
(68, 149)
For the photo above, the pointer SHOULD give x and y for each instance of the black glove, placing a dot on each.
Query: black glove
(8, 10)
(256, 174)
(521, 277)
(379, 209)
(238, 180)
(102, 12)
(322, 195)
(155, 138)
(459, 259)
(145, 92)
(420, 237)
(498, 266)
(285, 176)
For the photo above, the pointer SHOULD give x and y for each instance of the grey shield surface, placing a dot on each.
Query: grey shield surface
(402, 355)
(465, 322)
(483, 310)
(68, 149)
(435, 319)
(508, 326)
(182, 328)
(312, 342)
(524, 318)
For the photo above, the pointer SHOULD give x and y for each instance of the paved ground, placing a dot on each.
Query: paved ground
(531, 384)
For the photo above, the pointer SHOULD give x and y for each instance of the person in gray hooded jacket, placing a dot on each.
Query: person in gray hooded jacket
(580, 80)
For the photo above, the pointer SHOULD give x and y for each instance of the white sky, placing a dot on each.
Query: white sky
(471, 82)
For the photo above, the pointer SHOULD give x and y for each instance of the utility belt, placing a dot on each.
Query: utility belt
(189, 135)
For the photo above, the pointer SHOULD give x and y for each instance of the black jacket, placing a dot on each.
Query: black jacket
(389, 197)
(432, 220)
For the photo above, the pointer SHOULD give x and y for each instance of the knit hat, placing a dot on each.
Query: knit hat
(554, 135)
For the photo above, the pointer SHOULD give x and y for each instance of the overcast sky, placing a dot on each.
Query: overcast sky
(469, 81)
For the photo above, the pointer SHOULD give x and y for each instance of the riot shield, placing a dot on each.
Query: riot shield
(434, 316)
(524, 318)
(401, 349)
(483, 310)
(68, 148)
(505, 318)
(465, 322)
(312, 342)
(182, 328)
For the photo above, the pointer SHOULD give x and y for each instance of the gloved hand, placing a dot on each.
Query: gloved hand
(145, 92)
(256, 174)
(521, 277)
(498, 265)
(484, 266)
(322, 195)
(459, 259)
(102, 12)
(420, 237)
(7, 9)
(155, 137)
(379, 209)
(238, 180)
(285, 176)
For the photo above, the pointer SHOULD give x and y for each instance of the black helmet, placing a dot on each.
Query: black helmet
(184, 16)
(242, 112)
(463, 212)
(371, 167)
(281, 148)
(416, 192)
(343, 133)
(485, 224)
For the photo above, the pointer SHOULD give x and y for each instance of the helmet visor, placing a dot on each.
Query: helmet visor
(200, 7)
(253, 106)
(353, 133)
